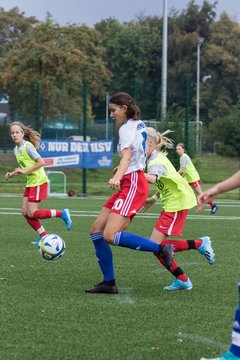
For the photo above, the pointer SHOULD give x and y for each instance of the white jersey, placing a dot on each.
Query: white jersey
(132, 134)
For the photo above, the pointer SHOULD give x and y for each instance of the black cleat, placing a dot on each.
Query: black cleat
(214, 208)
(167, 252)
(103, 288)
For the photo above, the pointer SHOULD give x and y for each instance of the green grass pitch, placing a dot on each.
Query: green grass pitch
(45, 313)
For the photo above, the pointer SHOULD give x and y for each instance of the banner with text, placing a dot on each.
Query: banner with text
(78, 154)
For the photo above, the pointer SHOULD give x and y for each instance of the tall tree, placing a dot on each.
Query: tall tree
(134, 58)
(59, 59)
(14, 25)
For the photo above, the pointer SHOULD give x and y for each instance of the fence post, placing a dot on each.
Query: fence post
(186, 127)
(85, 94)
(38, 105)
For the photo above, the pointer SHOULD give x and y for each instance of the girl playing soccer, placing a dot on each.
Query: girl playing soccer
(189, 172)
(117, 213)
(32, 165)
(177, 198)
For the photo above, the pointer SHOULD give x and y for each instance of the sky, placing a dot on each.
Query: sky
(90, 12)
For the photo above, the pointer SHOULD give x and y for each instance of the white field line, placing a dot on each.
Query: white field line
(93, 213)
(203, 340)
(125, 296)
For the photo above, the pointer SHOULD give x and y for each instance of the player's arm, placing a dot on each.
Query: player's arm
(181, 171)
(121, 169)
(154, 173)
(151, 178)
(184, 161)
(231, 183)
(39, 162)
(149, 202)
(34, 155)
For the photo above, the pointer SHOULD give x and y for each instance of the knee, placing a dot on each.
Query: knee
(94, 230)
(108, 236)
(24, 212)
(30, 213)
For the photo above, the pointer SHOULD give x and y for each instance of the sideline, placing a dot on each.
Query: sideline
(94, 213)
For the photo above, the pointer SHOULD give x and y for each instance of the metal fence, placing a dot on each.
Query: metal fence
(93, 118)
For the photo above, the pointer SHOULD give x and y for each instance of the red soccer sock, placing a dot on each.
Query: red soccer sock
(46, 214)
(36, 225)
(175, 269)
(211, 203)
(183, 245)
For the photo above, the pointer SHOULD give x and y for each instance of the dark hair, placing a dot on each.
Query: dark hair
(181, 144)
(122, 98)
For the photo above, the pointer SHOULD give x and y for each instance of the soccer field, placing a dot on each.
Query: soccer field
(45, 313)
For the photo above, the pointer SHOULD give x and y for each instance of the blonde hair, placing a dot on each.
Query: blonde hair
(160, 139)
(29, 133)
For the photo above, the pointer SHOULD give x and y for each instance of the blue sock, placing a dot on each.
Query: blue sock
(136, 242)
(235, 346)
(104, 256)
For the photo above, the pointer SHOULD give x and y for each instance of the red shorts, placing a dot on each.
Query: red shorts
(195, 184)
(171, 223)
(36, 193)
(133, 193)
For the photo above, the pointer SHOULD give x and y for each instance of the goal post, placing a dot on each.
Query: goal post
(57, 183)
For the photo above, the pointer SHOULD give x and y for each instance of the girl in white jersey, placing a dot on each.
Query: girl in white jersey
(32, 166)
(177, 198)
(117, 213)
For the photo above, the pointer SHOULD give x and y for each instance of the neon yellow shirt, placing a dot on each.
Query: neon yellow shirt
(189, 171)
(37, 177)
(175, 192)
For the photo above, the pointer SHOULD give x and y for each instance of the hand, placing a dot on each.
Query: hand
(8, 175)
(148, 203)
(200, 203)
(113, 183)
(206, 197)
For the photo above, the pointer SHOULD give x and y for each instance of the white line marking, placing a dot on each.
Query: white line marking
(82, 213)
(125, 296)
(204, 340)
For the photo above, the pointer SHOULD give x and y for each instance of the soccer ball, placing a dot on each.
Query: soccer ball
(51, 247)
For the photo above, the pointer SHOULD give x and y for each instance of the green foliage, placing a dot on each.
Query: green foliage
(14, 26)
(59, 58)
(118, 56)
(227, 131)
(134, 57)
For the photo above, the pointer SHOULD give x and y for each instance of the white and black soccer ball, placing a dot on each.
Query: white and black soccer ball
(51, 247)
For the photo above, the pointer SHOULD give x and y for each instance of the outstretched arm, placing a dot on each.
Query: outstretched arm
(39, 162)
(149, 202)
(231, 183)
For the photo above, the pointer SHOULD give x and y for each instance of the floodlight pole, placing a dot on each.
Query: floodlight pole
(84, 170)
(200, 41)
